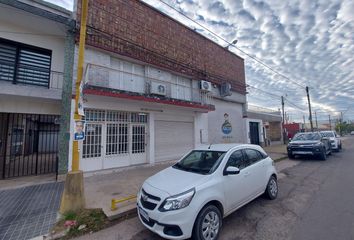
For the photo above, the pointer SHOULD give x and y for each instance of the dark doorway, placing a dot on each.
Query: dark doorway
(254, 132)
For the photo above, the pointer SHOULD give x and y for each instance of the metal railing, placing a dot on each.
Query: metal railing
(55, 80)
(107, 77)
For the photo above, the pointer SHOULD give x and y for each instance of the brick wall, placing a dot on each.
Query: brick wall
(274, 131)
(132, 28)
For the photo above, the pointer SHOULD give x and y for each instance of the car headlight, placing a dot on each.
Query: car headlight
(178, 201)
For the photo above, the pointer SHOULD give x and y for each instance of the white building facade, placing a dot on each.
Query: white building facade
(33, 39)
(142, 104)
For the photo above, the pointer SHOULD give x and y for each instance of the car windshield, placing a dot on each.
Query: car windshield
(327, 134)
(307, 136)
(200, 161)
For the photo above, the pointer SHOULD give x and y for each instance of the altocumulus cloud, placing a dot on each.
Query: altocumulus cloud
(311, 42)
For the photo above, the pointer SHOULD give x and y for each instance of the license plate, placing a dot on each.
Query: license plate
(301, 152)
(144, 214)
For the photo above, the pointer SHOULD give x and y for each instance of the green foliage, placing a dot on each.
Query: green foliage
(344, 127)
(93, 219)
(70, 216)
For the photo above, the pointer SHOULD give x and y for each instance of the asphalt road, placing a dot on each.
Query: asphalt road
(316, 201)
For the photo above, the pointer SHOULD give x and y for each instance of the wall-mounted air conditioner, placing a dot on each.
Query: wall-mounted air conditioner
(158, 88)
(225, 90)
(205, 86)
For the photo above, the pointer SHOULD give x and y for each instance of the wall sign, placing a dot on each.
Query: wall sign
(226, 127)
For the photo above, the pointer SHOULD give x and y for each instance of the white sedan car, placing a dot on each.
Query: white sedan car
(190, 198)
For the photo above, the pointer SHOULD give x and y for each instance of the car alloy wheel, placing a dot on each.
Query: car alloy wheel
(272, 188)
(210, 227)
(208, 224)
(323, 155)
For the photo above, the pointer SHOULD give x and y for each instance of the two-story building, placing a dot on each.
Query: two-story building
(154, 88)
(36, 59)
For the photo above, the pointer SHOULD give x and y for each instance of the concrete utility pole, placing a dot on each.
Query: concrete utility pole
(310, 112)
(282, 107)
(330, 123)
(73, 198)
(304, 123)
(316, 121)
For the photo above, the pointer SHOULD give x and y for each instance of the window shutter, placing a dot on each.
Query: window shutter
(33, 67)
(7, 62)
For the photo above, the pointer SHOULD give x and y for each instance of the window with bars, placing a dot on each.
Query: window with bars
(92, 143)
(125, 133)
(138, 139)
(21, 63)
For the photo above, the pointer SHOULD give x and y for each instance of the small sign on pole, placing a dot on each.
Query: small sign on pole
(79, 131)
(80, 104)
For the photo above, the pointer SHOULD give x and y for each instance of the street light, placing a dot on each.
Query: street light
(233, 43)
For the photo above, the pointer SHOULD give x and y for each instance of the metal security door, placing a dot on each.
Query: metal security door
(28, 144)
(254, 133)
(138, 144)
(92, 147)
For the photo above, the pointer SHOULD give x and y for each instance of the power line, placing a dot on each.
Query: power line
(271, 94)
(230, 44)
(293, 104)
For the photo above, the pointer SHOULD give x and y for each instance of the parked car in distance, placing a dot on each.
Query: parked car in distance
(334, 139)
(309, 143)
(191, 198)
(352, 133)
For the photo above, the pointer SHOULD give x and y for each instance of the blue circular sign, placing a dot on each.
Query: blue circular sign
(226, 128)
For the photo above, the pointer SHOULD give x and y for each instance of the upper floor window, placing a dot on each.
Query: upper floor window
(20, 63)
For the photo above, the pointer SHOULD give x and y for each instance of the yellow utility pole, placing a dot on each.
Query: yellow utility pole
(73, 198)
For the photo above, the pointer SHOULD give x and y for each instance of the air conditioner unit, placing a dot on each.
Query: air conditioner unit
(158, 88)
(205, 86)
(225, 90)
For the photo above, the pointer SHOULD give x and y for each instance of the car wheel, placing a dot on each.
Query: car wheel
(290, 156)
(208, 223)
(271, 191)
(323, 155)
(330, 152)
(340, 147)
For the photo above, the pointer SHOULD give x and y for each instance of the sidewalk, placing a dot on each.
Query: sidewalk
(100, 188)
(276, 152)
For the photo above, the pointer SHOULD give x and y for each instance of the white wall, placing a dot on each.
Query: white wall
(20, 26)
(156, 112)
(216, 120)
(17, 25)
(7, 88)
(13, 104)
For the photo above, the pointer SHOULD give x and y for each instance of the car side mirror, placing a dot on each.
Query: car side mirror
(230, 170)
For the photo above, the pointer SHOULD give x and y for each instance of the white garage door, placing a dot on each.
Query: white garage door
(172, 139)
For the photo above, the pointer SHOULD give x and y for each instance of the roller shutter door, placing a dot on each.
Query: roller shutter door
(173, 139)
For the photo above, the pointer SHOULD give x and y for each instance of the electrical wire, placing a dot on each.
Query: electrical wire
(230, 44)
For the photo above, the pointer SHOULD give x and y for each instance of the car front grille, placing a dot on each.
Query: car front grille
(149, 201)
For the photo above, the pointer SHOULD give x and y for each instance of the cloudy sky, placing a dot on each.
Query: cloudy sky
(309, 42)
